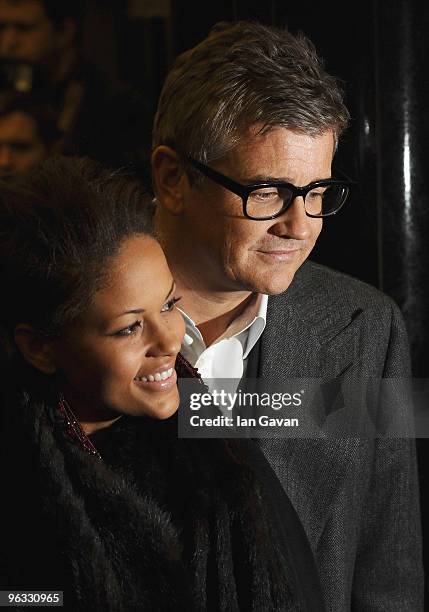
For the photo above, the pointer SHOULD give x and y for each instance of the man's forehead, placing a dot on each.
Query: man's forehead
(260, 130)
(20, 3)
(270, 142)
(18, 124)
(21, 10)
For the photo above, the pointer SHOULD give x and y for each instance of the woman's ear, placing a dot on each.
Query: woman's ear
(36, 348)
(169, 179)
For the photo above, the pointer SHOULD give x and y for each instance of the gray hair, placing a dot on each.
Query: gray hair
(243, 74)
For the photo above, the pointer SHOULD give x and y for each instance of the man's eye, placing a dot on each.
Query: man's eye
(130, 330)
(26, 27)
(264, 195)
(170, 304)
(316, 194)
(20, 147)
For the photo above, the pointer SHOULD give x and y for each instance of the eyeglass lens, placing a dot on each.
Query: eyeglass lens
(269, 201)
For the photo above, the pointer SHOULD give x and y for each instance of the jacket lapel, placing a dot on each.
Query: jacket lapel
(299, 341)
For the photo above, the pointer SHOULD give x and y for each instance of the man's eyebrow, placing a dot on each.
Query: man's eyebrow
(263, 178)
(140, 310)
(14, 140)
(16, 23)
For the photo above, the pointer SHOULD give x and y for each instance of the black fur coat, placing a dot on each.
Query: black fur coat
(159, 524)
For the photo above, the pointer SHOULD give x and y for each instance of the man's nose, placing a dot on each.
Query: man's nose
(294, 223)
(9, 41)
(6, 159)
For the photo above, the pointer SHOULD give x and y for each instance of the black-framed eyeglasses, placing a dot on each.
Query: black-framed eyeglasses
(263, 201)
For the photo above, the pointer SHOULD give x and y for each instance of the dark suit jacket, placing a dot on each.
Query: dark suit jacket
(357, 498)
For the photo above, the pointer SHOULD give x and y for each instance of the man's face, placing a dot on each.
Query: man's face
(237, 253)
(21, 147)
(25, 31)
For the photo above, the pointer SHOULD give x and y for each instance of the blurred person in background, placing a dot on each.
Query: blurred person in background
(28, 133)
(40, 50)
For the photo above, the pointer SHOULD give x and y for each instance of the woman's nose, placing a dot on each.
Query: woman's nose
(165, 337)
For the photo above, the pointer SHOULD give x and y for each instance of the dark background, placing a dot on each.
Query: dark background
(379, 48)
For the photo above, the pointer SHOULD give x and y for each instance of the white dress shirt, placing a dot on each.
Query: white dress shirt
(226, 357)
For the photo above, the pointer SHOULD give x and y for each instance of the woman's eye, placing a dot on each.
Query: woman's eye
(130, 330)
(170, 304)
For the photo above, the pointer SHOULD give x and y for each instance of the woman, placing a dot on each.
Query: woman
(101, 499)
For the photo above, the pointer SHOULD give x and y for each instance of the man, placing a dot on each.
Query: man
(44, 34)
(27, 133)
(253, 105)
(37, 32)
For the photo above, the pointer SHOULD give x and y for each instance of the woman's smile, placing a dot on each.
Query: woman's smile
(159, 381)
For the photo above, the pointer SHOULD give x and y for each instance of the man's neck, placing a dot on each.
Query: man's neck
(62, 66)
(212, 312)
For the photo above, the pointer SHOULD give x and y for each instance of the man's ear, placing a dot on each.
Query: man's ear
(66, 33)
(35, 348)
(169, 179)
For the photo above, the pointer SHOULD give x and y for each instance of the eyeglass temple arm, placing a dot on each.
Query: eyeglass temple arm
(342, 176)
(233, 186)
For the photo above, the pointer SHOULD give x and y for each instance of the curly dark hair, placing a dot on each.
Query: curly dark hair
(59, 227)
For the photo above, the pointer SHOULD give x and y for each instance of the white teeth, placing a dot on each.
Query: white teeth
(157, 376)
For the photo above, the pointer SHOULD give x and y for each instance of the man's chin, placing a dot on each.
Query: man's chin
(272, 274)
(271, 285)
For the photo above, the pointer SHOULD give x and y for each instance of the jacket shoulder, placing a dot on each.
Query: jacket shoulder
(338, 310)
(339, 290)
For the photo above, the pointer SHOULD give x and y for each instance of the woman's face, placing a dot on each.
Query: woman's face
(119, 357)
